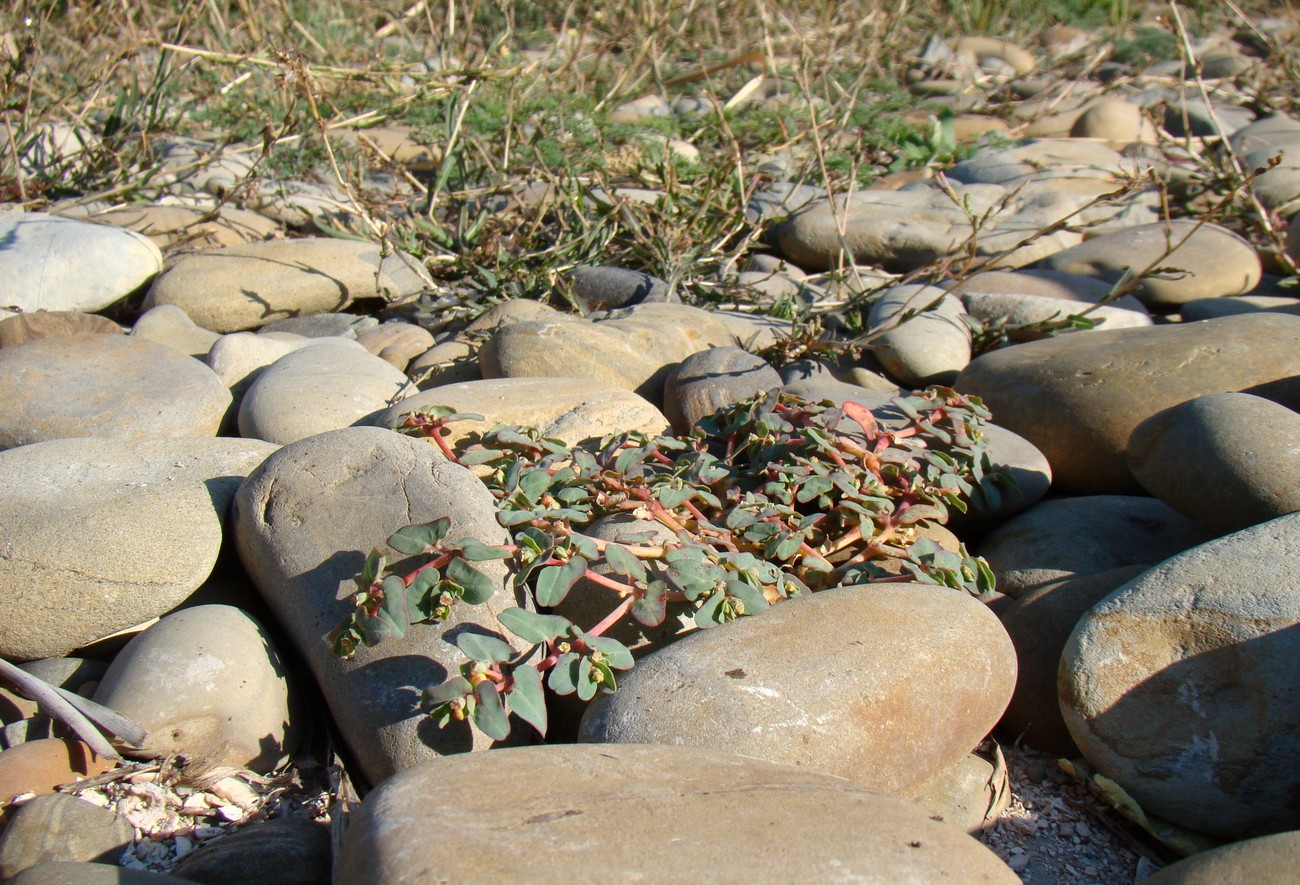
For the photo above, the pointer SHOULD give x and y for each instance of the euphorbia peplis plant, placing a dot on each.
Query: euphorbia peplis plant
(769, 498)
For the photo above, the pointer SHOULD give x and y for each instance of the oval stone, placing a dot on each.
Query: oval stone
(697, 815)
(329, 385)
(99, 535)
(304, 522)
(1181, 686)
(49, 262)
(207, 682)
(54, 827)
(886, 685)
(1063, 537)
(1268, 860)
(568, 409)
(23, 327)
(712, 379)
(247, 286)
(1243, 450)
(1212, 261)
(1079, 397)
(105, 386)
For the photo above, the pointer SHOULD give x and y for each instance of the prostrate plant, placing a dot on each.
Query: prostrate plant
(767, 499)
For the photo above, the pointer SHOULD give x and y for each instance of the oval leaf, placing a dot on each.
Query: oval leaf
(393, 608)
(481, 647)
(490, 713)
(526, 699)
(652, 609)
(475, 551)
(587, 687)
(437, 695)
(418, 538)
(614, 652)
(555, 581)
(478, 586)
(623, 562)
(534, 627)
(564, 675)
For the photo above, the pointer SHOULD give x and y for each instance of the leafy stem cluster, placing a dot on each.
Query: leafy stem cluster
(767, 499)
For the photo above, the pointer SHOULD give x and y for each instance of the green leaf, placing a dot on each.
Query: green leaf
(564, 675)
(478, 586)
(534, 484)
(475, 551)
(426, 580)
(614, 652)
(624, 563)
(693, 576)
(786, 547)
(481, 647)
(453, 688)
(515, 517)
(584, 547)
(753, 598)
(418, 538)
(534, 627)
(372, 630)
(607, 683)
(489, 713)
(555, 581)
(587, 687)
(671, 498)
(813, 487)
(709, 614)
(526, 699)
(479, 455)
(652, 609)
(393, 608)
(371, 569)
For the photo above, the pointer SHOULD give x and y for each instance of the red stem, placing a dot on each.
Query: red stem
(603, 581)
(612, 618)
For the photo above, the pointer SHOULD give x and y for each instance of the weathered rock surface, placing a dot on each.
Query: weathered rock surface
(611, 791)
(711, 379)
(1181, 685)
(111, 386)
(330, 385)
(55, 827)
(901, 230)
(1226, 460)
(53, 263)
(247, 286)
(1213, 261)
(881, 701)
(1079, 397)
(1062, 537)
(970, 795)
(607, 288)
(23, 327)
(168, 324)
(100, 535)
(1267, 860)
(633, 348)
(207, 682)
(282, 851)
(238, 358)
(303, 523)
(1039, 623)
(40, 766)
(190, 228)
(568, 409)
(930, 347)
(66, 872)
